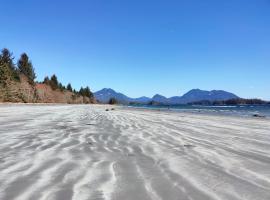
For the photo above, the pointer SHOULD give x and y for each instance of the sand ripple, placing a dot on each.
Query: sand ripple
(83, 152)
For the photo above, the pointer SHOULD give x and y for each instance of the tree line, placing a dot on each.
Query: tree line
(237, 101)
(9, 71)
(55, 84)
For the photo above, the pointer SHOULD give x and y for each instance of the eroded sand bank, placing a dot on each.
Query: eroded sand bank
(83, 152)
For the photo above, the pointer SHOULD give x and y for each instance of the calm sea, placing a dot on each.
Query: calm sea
(239, 110)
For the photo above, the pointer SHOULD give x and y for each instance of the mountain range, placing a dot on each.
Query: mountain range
(194, 95)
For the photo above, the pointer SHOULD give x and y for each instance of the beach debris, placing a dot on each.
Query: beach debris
(258, 115)
(89, 124)
(189, 145)
(107, 109)
(113, 109)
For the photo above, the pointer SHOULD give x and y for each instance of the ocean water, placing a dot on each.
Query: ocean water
(239, 110)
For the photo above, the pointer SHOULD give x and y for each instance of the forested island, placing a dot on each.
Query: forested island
(238, 101)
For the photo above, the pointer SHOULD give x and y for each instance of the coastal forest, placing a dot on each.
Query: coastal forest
(18, 84)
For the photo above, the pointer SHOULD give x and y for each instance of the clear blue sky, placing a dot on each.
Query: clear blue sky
(144, 47)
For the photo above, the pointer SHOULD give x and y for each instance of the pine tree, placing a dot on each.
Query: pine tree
(54, 82)
(81, 91)
(112, 101)
(61, 87)
(25, 67)
(7, 58)
(46, 80)
(88, 93)
(7, 67)
(69, 87)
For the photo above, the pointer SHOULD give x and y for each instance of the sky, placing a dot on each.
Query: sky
(144, 47)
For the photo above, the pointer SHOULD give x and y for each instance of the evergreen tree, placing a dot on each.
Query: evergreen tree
(112, 101)
(61, 87)
(81, 91)
(25, 67)
(69, 87)
(7, 67)
(54, 82)
(46, 80)
(86, 92)
(6, 58)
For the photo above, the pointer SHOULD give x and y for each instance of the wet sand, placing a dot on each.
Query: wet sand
(83, 152)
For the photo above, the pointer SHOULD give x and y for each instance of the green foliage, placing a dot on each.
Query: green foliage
(54, 82)
(11, 90)
(7, 58)
(113, 101)
(86, 92)
(61, 87)
(8, 71)
(25, 67)
(69, 88)
(46, 80)
(4, 74)
(238, 101)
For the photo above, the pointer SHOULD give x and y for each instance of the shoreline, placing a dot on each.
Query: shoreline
(195, 112)
(154, 109)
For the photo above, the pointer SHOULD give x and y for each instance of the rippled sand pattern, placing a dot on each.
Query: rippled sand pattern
(85, 153)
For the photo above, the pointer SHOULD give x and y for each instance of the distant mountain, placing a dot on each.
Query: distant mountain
(175, 100)
(106, 94)
(160, 99)
(140, 100)
(199, 95)
(194, 95)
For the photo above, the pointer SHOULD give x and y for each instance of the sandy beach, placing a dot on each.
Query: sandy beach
(82, 152)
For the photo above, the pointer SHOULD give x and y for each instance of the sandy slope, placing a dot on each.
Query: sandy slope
(83, 152)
